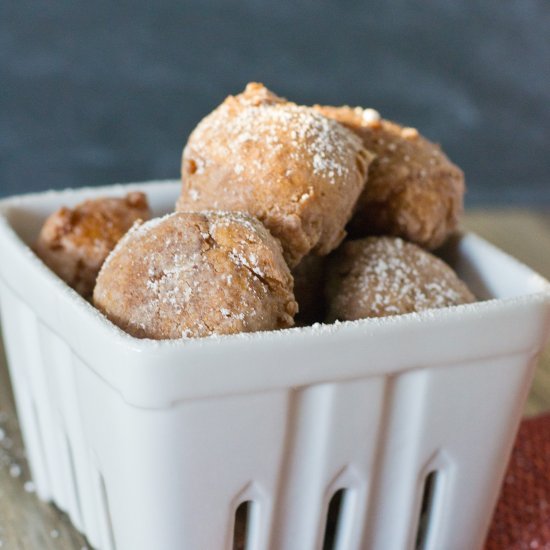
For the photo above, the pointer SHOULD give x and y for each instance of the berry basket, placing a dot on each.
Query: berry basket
(407, 422)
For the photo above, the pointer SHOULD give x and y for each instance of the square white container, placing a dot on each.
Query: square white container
(153, 445)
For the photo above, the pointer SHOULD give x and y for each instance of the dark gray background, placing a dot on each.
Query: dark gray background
(98, 92)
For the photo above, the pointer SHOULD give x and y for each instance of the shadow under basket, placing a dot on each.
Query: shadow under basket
(386, 433)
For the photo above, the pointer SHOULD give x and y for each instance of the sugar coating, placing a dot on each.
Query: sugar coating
(194, 275)
(414, 191)
(380, 276)
(312, 139)
(296, 170)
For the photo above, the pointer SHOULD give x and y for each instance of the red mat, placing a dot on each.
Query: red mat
(522, 516)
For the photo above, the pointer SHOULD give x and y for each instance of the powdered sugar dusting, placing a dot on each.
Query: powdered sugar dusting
(301, 133)
(138, 228)
(219, 218)
(382, 276)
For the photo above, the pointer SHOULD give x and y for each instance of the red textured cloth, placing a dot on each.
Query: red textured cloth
(522, 516)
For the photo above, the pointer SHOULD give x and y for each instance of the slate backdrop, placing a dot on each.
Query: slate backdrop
(99, 92)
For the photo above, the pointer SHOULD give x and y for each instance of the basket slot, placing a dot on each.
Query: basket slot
(337, 518)
(246, 525)
(427, 507)
(240, 530)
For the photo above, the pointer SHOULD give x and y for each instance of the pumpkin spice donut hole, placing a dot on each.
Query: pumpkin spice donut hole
(194, 275)
(74, 242)
(414, 191)
(381, 276)
(297, 171)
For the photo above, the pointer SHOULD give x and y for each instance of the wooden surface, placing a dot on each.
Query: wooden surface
(26, 524)
(526, 236)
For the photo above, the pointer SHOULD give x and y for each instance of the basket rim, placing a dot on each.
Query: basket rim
(10, 236)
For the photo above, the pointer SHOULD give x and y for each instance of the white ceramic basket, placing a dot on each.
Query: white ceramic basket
(153, 445)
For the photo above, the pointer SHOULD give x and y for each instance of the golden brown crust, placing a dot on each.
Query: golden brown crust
(196, 274)
(298, 172)
(414, 191)
(380, 276)
(74, 242)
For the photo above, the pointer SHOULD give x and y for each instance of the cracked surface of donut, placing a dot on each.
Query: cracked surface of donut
(194, 274)
(297, 171)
